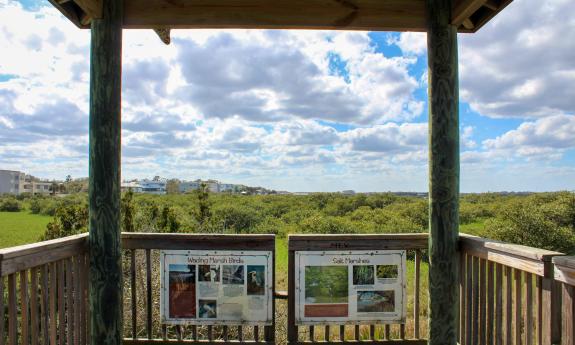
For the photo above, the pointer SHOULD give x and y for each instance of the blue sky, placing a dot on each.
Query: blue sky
(297, 110)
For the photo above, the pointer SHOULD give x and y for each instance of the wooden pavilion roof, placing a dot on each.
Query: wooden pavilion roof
(372, 15)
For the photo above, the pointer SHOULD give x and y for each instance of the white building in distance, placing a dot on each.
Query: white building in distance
(17, 182)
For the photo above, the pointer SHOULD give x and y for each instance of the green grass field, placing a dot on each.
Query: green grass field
(18, 228)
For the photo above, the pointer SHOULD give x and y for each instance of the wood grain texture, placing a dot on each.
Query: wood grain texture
(197, 241)
(105, 289)
(568, 321)
(443, 174)
(2, 312)
(358, 242)
(12, 311)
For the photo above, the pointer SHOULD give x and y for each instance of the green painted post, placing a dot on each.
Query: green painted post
(104, 197)
(443, 174)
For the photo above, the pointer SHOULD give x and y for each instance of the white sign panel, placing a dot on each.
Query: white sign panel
(216, 287)
(350, 286)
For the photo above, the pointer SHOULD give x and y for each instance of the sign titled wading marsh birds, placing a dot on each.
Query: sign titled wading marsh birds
(216, 287)
(350, 286)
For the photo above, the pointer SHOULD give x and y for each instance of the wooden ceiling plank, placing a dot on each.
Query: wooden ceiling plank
(464, 9)
(407, 15)
(93, 8)
(492, 5)
(468, 24)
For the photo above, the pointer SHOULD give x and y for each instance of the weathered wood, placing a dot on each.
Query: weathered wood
(356, 333)
(443, 173)
(468, 303)
(24, 308)
(12, 311)
(386, 332)
(475, 301)
(92, 8)
(498, 304)
(106, 287)
(532, 260)
(567, 327)
(44, 307)
(416, 282)
(197, 241)
(539, 293)
(528, 309)
(34, 315)
(341, 333)
(211, 333)
(61, 303)
(53, 304)
(482, 301)
(547, 305)
(24, 257)
(360, 242)
(464, 9)
(517, 297)
(69, 302)
(508, 306)
(292, 329)
(134, 294)
(490, 303)
(77, 299)
(2, 311)
(144, 341)
(564, 269)
(149, 301)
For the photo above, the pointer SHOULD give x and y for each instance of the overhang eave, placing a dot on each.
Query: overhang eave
(367, 15)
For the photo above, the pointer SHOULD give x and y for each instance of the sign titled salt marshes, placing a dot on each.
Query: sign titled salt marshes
(216, 287)
(350, 286)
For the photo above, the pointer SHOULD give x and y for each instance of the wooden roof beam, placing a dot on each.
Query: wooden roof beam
(464, 9)
(92, 8)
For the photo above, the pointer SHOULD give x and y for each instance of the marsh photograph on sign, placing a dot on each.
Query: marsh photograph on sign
(216, 287)
(350, 286)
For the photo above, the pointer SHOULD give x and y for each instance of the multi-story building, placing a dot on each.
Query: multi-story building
(188, 186)
(17, 182)
(155, 186)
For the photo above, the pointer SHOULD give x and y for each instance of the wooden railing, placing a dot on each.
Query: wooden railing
(507, 294)
(565, 275)
(46, 295)
(510, 294)
(372, 333)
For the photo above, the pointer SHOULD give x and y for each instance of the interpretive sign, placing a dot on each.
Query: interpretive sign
(216, 287)
(350, 287)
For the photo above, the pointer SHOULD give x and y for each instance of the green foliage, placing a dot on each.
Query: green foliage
(69, 220)
(542, 221)
(127, 210)
(204, 204)
(10, 205)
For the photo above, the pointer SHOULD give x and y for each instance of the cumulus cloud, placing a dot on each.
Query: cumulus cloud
(549, 135)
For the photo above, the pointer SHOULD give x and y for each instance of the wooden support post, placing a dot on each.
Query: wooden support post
(443, 173)
(104, 189)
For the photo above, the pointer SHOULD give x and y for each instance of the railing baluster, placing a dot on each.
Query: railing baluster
(567, 328)
(133, 293)
(69, 301)
(44, 311)
(179, 332)
(462, 300)
(386, 333)
(61, 303)
(240, 334)
(24, 308)
(518, 300)
(508, 307)
(2, 316)
(475, 338)
(402, 331)
(342, 333)
(77, 298)
(469, 301)
(528, 308)
(371, 332)
(416, 294)
(490, 303)
(210, 333)
(312, 333)
(149, 293)
(34, 324)
(53, 303)
(12, 311)
(326, 333)
(357, 335)
(539, 296)
(499, 305)
(225, 335)
(482, 301)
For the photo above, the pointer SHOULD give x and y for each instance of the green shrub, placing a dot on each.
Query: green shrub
(10, 205)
